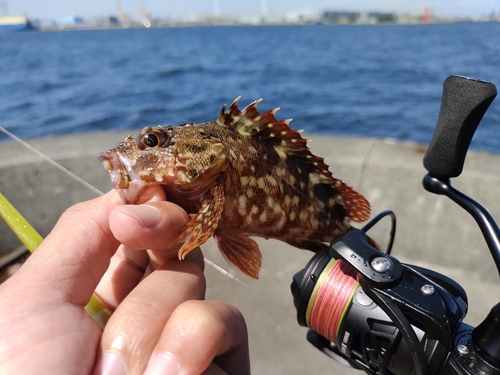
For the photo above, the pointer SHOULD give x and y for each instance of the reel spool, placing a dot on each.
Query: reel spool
(344, 322)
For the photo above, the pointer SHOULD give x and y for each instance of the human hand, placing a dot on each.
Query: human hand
(160, 321)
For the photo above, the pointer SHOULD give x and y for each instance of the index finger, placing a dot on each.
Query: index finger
(74, 256)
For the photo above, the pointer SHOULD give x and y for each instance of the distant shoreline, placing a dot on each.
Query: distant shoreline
(194, 25)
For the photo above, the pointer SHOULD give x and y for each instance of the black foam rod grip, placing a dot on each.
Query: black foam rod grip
(463, 105)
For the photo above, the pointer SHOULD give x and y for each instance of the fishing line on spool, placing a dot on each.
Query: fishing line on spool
(331, 297)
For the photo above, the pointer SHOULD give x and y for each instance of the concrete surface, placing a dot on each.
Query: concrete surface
(432, 231)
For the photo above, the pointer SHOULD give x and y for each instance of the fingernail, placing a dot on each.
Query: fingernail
(163, 364)
(111, 363)
(147, 215)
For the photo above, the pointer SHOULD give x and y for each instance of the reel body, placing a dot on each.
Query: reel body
(398, 319)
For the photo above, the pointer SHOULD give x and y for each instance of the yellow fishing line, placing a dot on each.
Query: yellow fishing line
(31, 239)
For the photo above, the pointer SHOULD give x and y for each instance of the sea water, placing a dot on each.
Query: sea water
(357, 80)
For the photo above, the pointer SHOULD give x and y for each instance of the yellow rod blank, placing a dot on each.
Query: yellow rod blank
(26, 233)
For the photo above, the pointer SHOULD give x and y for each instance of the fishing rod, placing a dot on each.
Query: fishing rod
(369, 311)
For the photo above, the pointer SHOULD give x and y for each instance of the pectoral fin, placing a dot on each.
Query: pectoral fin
(240, 251)
(202, 225)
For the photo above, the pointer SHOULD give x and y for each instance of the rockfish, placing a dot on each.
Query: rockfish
(245, 174)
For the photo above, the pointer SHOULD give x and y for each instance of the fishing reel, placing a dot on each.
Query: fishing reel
(366, 309)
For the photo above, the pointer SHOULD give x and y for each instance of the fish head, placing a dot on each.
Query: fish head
(163, 155)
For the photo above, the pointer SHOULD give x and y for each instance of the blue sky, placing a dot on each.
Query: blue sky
(182, 9)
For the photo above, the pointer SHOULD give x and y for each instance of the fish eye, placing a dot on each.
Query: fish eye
(151, 140)
(152, 137)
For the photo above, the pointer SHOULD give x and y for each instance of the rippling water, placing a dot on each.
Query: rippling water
(382, 81)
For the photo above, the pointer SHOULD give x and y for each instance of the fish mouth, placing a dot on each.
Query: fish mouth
(123, 177)
(113, 163)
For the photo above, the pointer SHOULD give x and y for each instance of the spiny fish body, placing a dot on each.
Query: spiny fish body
(245, 174)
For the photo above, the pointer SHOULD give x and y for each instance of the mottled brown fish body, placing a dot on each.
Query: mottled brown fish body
(246, 174)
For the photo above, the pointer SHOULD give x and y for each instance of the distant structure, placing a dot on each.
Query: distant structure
(15, 23)
(341, 17)
(345, 17)
(12, 23)
(217, 12)
(145, 15)
(264, 9)
(72, 21)
(426, 15)
(3, 9)
(121, 16)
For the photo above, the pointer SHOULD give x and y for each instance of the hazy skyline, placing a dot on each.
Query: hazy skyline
(175, 9)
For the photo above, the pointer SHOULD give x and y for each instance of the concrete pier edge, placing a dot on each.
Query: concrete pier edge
(431, 231)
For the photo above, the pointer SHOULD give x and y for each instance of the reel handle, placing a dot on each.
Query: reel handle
(463, 105)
